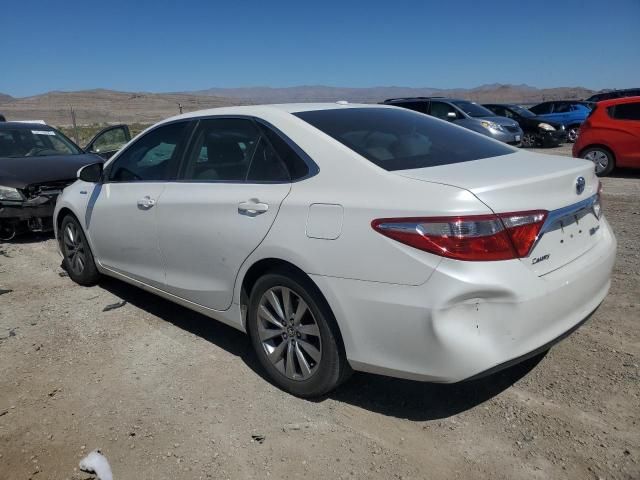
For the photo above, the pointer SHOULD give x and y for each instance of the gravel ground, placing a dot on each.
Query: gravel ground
(166, 393)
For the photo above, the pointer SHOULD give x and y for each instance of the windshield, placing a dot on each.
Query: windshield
(35, 142)
(522, 111)
(399, 139)
(473, 109)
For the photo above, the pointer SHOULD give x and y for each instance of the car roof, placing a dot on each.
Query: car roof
(259, 110)
(617, 101)
(424, 99)
(24, 125)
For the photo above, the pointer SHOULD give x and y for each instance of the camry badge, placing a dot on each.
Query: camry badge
(580, 183)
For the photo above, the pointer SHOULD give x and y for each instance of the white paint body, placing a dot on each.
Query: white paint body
(401, 311)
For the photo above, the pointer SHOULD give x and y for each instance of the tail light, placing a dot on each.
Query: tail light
(504, 236)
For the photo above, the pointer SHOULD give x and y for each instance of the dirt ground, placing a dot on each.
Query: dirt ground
(168, 394)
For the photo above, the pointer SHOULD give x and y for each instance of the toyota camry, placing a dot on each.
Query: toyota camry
(347, 237)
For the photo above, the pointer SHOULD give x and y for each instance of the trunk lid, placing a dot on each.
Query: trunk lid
(527, 181)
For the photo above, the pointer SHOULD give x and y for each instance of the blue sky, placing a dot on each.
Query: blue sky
(161, 46)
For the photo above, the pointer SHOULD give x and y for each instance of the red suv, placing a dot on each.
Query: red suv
(610, 136)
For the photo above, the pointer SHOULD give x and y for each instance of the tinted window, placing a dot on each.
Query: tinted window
(297, 167)
(415, 106)
(498, 110)
(625, 111)
(222, 150)
(152, 157)
(266, 165)
(541, 109)
(396, 139)
(442, 110)
(561, 108)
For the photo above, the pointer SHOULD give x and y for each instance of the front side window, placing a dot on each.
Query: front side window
(541, 109)
(110, 140)
(398, 139)
(151, 158)
(625, 111)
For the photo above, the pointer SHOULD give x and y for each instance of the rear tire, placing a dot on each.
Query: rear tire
(602, 159)
(77, 256)
(295, 336)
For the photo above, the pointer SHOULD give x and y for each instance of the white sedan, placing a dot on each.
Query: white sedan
(348, 237)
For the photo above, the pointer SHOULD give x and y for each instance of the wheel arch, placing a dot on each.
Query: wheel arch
(275, 264)
(598, 145)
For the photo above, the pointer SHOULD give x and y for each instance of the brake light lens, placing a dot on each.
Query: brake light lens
(504, 236)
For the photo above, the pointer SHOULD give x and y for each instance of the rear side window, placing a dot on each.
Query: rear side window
(415, 106)
(296, 166)
(397, 139)
(625, 111)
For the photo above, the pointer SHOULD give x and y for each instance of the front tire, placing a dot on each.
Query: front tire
(529, 140)
(295, 336)
(77, 256)
(602, 159)
(572, 133)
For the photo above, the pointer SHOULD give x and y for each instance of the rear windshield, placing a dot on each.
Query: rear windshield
(400, 139)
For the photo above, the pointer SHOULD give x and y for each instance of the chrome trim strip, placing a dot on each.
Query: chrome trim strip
(554, 216)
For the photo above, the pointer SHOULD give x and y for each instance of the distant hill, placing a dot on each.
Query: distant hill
(317, 93)
(108, 106)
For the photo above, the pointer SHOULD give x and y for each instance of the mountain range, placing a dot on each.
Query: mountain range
(109, 106)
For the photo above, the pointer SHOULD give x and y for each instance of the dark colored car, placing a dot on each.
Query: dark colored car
(538, 131)
(571, 113)
(36, 163)
(611, 94)
(464, 113)
(610, 137)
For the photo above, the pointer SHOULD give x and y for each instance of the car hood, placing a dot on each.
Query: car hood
(23, 171)
(503, 121)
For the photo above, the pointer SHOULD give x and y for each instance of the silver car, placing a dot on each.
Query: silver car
(466, 114)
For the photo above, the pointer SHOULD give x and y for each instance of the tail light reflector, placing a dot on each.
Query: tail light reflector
(504, 236)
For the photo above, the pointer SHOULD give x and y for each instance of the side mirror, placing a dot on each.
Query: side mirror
(451, 115)
(91, 173)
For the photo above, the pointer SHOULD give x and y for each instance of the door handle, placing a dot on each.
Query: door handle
(252, 207)
(146, 203)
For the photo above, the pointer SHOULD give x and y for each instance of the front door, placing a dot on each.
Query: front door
(230, 189)
(122, 211)
(109, 140)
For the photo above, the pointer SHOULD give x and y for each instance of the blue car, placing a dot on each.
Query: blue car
(570, 113)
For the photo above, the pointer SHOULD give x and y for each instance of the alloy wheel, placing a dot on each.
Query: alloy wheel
(74, 247)
(572, 134)
(528, 140)
(600, 158)
(289, 333)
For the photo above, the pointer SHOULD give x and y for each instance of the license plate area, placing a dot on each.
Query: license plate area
(564, 240)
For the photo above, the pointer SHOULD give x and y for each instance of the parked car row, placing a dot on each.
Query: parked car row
(36, 163)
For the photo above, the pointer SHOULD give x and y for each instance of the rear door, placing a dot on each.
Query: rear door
(624, 133)
(229, 191)
(122, 211)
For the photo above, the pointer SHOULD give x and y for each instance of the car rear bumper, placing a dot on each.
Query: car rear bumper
(469, 317)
